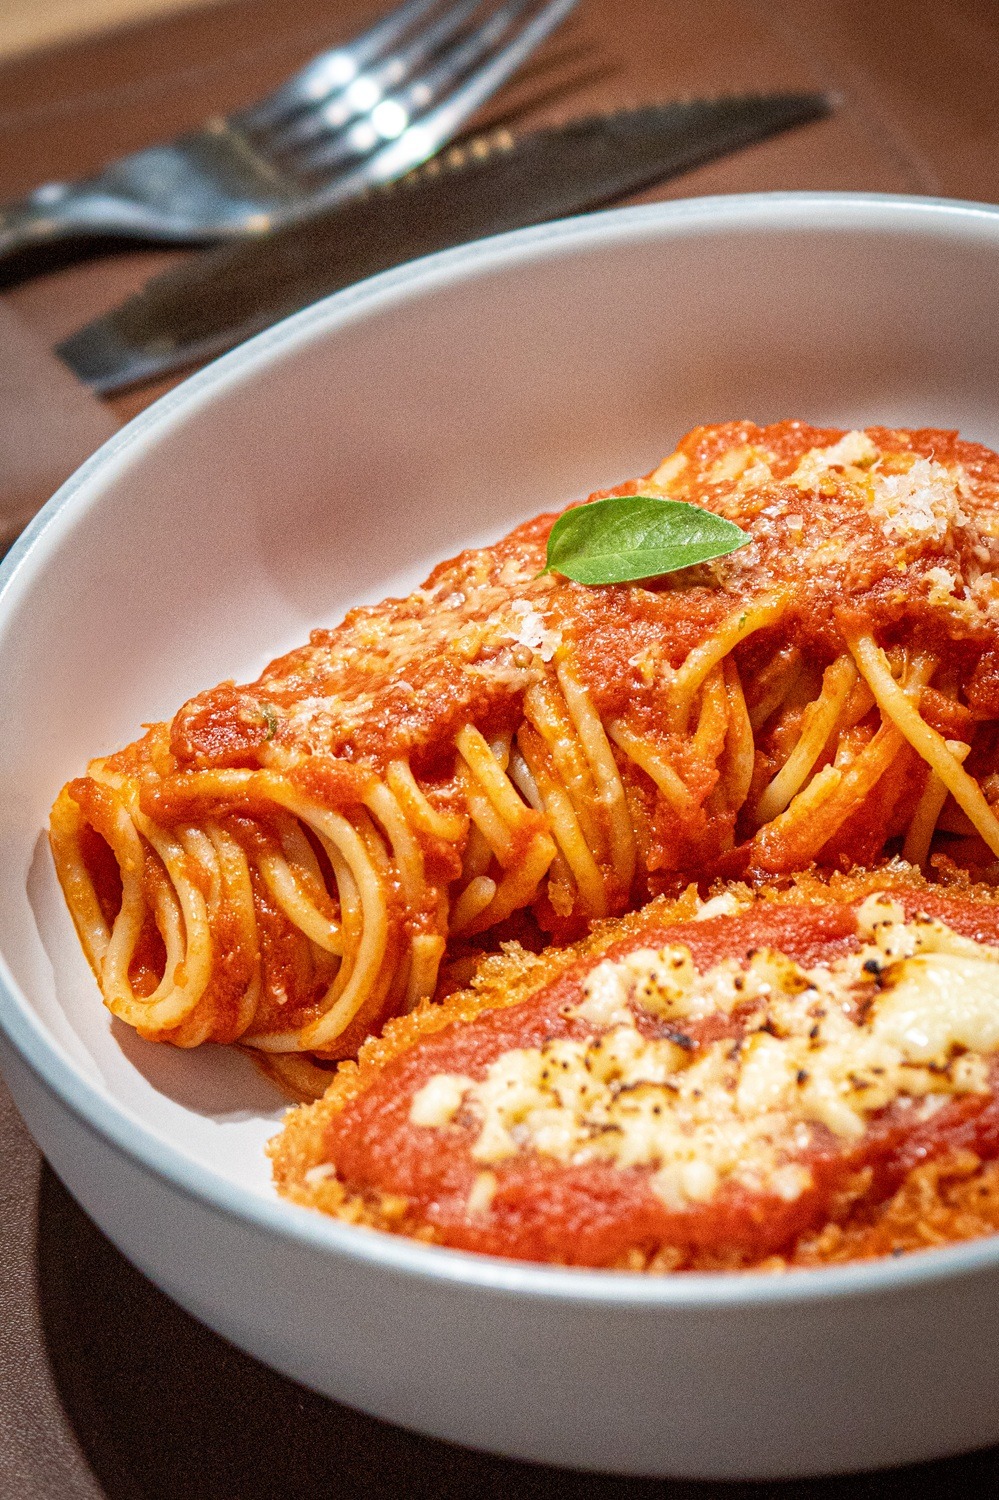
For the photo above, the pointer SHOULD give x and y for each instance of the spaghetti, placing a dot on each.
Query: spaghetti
(506, 753)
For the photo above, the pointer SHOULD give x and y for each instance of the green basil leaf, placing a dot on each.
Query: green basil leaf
(629, 537)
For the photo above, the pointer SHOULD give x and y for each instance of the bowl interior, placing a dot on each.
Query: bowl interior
(337, 458)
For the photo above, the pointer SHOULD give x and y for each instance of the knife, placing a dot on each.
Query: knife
(493, 183)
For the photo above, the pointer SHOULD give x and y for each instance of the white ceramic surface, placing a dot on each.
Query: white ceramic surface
(332, 460)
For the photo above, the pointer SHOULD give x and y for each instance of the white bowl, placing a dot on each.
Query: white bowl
(334, 459)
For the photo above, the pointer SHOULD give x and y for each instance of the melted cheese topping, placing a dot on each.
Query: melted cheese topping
(912, 1016)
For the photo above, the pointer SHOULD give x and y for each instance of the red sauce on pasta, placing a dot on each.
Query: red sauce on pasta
(506, 752)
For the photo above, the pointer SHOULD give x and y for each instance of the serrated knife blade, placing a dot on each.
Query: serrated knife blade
(491, 184)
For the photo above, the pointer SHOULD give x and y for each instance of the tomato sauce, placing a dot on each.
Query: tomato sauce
(422, 665)
(595, 1214)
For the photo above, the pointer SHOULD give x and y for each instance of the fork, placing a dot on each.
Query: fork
(361, 115)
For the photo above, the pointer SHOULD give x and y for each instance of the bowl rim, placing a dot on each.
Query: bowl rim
(145, 1147)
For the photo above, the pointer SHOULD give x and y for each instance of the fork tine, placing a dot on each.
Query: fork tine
(223, 181)
(387, 74)
(333, 70)
(385, 119)
(417, 124)
(443, 122)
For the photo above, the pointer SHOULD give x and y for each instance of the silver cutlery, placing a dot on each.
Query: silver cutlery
(493, 183)
(358, 116)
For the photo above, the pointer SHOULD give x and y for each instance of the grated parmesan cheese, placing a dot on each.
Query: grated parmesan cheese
(943, 585)
(438, 1101)
(727, 904)
(321, 1173)
(670, 468)
(482, 1194)
(531, 630)
(923, 504)
(855, 450)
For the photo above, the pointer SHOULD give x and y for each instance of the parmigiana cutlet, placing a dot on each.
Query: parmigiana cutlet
(788, 1076)
(508, 753)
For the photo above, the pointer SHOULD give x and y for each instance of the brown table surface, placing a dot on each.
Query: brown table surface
(106, 1388)
(28, 25)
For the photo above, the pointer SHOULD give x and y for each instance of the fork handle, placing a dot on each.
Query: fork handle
(60, 212)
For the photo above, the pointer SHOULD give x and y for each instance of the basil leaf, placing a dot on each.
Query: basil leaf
(629, 537)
